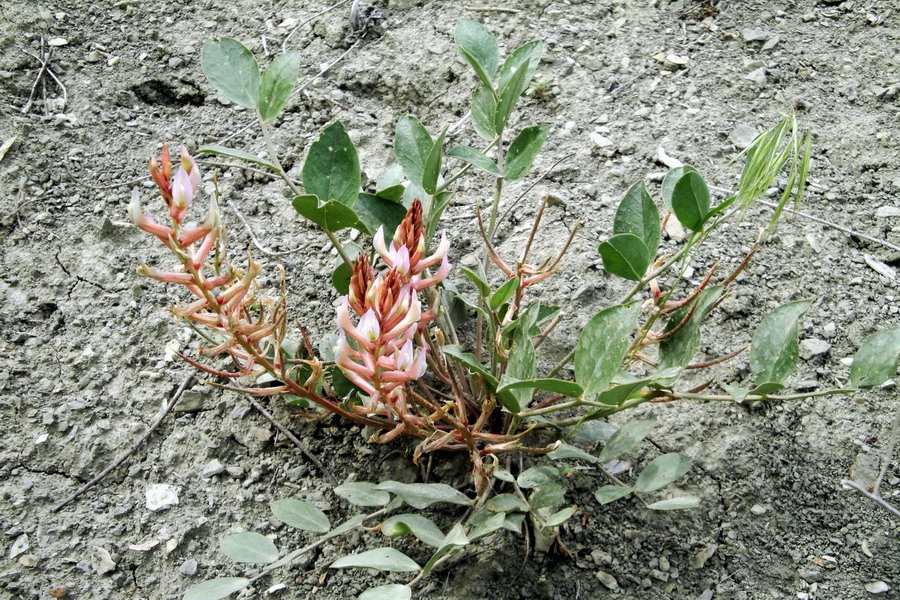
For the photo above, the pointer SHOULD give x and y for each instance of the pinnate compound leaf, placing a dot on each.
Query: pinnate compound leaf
(679, 349)
(484, 108)
(678, 503)
(232, 70)
(662, 471)
(363, 493)
(523, 151)
(382, 559)
(249, 547)
(431, 172)
(625, 255)
(476, 159)
(238, 154)
(690, 200)
(331, 170)
(423, 495)
(611, 493)
(669, 181)
(424, 529)
(330, 216)
(876, 360)
(392, 591)
(637, 214)
(558, 518)
(277, 83)
(300, 514)
(215, 589)
(479, 48)
(775, 350)
(412, 145)
(602, 346)
(627, 437)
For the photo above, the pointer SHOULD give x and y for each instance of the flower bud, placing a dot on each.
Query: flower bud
(188, 164)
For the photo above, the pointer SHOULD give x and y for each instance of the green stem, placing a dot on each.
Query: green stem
(754, 398)
(498, 187)
(297, 192)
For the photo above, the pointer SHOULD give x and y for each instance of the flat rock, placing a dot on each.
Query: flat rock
(20, 546)
(102, 562)
(607, 580)
(877, 587)
(885, 212)
(601, 141)
(161, 496)
(751, 34)
(742, 136)
(758, 76)
(188, 567)
(212, 468)
(813, 347)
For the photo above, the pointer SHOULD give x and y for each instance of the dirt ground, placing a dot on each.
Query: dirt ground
(86, 345)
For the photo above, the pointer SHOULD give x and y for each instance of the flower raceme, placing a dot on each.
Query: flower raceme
(390, 349)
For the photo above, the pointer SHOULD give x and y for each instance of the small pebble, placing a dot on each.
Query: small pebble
(877, 587)
(758, 509)
(607, 580)
(188, 567)
(28, 560)
(102, 561)
(214, 467)
(161, 496)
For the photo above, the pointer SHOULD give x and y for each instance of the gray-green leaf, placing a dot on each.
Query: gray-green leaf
(412, 145)
(249, 547)
(392, 591)
(382, 559)
(611, 493)
(277, 83)
(876, 360)
(362, 493)
(669, 181)
(662, 471)
(424, 529)
(431, 172)
(484, 108)
(775, 349)
(602, 346)
(637, 214)
(331, 170)
(478, 47)
(625, 255)
(238, 154)
(232, 70)
(300, 514)
(216, 589)
(476, 159)
(679, 503)
(679, 349)
(690, 200)
(627, 437)
(330, 216)
(423, 495)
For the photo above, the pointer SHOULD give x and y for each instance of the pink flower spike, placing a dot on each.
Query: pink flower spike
(403, 359)
(148, 271)
(200, 256)
(400, 260)
(182, 195)
(145, 222)
(378, 242)
(439, 255)
(369, 327)
(188, 164)
(438, 277)
(344, 322)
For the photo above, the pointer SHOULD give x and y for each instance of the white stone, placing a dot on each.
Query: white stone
(161, 496)
(877, 587)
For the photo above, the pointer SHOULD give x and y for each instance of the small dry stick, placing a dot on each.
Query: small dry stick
(887, 456)
(256, 241)
(293, 438)
(312, 18)
(156, 423)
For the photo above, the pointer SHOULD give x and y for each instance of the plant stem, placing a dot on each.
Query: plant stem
(274, 158)
(498, 187)
(754, 398)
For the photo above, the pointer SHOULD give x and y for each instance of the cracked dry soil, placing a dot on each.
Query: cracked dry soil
(85, 350)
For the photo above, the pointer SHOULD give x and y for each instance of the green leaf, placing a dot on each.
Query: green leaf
(637, 214)
(558, 386)
(392, 591)
(301, 515)
(690, 200)
(523, 151)
(627, 437)
(525, 58)
(478, 47)
(412, 145)
(504, 503)
(775, 350)
(602, 346)
(476, 159)
(382, 559)
(591, 432)
(764, 389)
(625, 255)
(277, 83)
(520, 366)
(423, 495)
(232, 70)
(456, 538)
(431, 171)
(611, 493)
(504, 293)
(565, 451)
(215, 589)
(483, 288)
(536, 476)
(469, 361)
(348, 525)
(558, 518)
(679, 503)
(238, 154)
(374, 211)
(620, 393)
(669, 181)
(424, 529)
(876, 360)
(390, 178)
(331, 170)
(331, 216)
(547, 495)
(486, 526)
(363, 493)
(662, 471)
(340, 276)
(484, 108)
(509, 94)
(738, 393)
(679, 349)
(249, 547)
